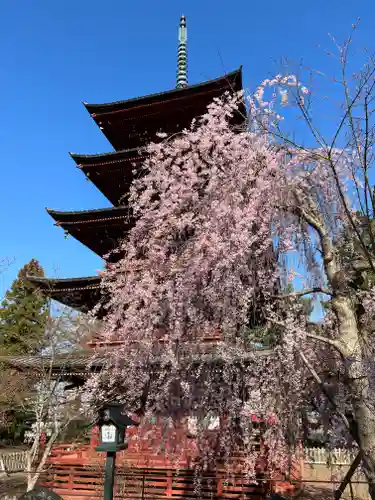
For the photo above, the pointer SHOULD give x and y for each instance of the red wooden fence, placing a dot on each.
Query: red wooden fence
(74, 482)
(78, 475)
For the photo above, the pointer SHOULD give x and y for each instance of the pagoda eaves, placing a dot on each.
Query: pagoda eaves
(111, 173)
(135, 122)
(100, 230)
(81, 294)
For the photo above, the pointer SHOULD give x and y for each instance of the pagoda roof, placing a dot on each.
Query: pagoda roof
(111, 173)
(135, 122)
(99, 229)
(82, 363)
(75, 367)
(82, 294)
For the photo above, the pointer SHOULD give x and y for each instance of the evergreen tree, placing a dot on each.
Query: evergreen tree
(23, 314)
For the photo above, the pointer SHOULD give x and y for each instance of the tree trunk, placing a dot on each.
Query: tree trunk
(354, 348)
(33, 478)
(365, 419)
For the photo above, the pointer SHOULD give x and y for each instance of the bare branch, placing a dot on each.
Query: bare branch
(305, 292)
(324, 390)
(5, 264)
(325, 241)
(363, 265)
(331, 342)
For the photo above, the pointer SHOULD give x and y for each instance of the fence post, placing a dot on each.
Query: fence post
(169, 488)
(2, 466)
(71, 479)
(219, 486)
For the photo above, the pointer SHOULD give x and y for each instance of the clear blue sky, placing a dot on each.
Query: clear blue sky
(55, 54)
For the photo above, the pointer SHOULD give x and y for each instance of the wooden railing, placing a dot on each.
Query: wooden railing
(322, 456)
(17, 461)
(80, 483)
(78, 475)
(13, 461)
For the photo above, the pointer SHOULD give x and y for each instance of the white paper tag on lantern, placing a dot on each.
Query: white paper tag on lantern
(108, 434)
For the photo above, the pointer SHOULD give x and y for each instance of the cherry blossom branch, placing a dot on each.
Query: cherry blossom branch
(325, 241)
(329, 157)
(350, 104)
(305, 292)
(5, 264)
(364, 265)
(315, 132)
(348, 213)
(348, 114)
(350, 424)
(332, 342)
(324, 390)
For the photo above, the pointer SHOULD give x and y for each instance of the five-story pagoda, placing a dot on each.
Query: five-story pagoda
(129, 126)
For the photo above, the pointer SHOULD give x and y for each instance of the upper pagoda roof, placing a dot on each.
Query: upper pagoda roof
(176, 93)
(135, 122)
(111, 173)
(82, 294)
(100, 230)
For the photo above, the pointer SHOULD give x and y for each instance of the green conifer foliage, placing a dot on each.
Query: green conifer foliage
(23, 314)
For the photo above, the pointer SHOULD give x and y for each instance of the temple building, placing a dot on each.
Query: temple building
(129, 126)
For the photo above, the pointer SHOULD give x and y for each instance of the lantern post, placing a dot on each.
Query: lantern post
(112, 423)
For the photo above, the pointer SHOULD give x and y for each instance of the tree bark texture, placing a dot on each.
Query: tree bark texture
(353, 346)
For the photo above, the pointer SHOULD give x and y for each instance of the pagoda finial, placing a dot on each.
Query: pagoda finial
(182, 54)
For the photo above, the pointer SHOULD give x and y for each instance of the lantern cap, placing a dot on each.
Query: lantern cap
(114, 413)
